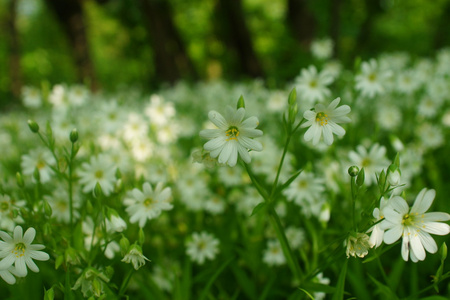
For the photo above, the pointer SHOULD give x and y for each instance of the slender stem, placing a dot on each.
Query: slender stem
(275, 183)
(256, 183)
(71, 192)
(354, 196)
(125, 282)
(287, 251)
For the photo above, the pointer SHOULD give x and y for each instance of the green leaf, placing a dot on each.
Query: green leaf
(214, 277)
(341, 283)
(384, 289)
(308, 294)
(435, 297)
(288, 182)
(258, 208)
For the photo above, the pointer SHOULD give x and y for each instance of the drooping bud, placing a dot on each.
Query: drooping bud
(19, 179)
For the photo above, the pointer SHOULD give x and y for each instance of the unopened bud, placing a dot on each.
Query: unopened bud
(74, 135)
(34, 127)
(141, 236)
(19, 179)
(292, 99)
(360, 178)
(98, 192)
(241, 102)
(293, 110)
(353, 171)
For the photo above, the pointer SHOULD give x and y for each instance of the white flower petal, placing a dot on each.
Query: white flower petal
(218, 120)
(417, 247)
(31, 265)
(250, 143)
(21, 267)
(405, 248)
(399, 204)
(18, 233)
(250, 123)
(7, 276)
(436, 228)
(226, 152)
(436, 216)
(336, 129)
(327, 135)
(211, 133)
(39, 255)
(392, 235)
(428, 242)
(423, 201)
(29, 235)
(215, 143)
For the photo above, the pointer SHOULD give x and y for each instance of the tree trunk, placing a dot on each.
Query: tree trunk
(170, 56)
(14, 51)
(442, 34)
(335, 25)
(234, 32)
(301, 22)
(365, 35)
(70, 15)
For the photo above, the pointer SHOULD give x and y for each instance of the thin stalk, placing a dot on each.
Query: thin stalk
(69, 180)
(125, 283)
(354, 195)
(287, 251)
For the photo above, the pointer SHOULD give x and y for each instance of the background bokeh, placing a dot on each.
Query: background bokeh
(108, 44)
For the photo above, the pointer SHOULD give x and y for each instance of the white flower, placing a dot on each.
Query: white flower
(19, 251)
(312, 86)
(114, 223)
(357, 245)
(323, 280)
(322, 48)
(40, 159)
(372, 80)
(8, 275)
(273, 254)
(31, 97)
(414, 225)
(147, 204)
(100, 170)
(373, 161)
(324, 120)
(306, 191)
(376, 238)
(233, 136)
(159, 111)
(202, 246)
(135, 257)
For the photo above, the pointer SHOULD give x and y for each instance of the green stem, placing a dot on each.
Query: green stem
(354, 196)
(275, 183)
(287, 251)
(71, 193)
(125, 283)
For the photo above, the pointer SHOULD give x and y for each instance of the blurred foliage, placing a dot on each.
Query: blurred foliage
(122, 55)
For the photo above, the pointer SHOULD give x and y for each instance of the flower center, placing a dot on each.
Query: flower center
(366, 162)
(4, 206)
(148, 202)
(19, 250)
(232, 133)
(372, 77)
(322, 118)
(98, 174)
(40, 164)
(408, 220)
(313, 83)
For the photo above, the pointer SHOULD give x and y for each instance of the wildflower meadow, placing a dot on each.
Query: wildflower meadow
(333, 185)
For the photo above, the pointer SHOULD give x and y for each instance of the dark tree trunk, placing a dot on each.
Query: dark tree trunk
(170, 56)
(301, 22)
(234, 32)
(442, 35)
(70, 15)
(14, 51)
(365, 35)
(335, 25)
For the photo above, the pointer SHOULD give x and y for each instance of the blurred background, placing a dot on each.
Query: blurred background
(109, 44)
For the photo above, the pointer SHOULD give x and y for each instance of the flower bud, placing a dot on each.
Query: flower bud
(141, 236)
(98, 192)
(47, 208)
(292, 99)
(443, 251)
(73, 135)
(360, 178)
(382, 181)
(357, 245)
(71, 256)
(19, 179)
(293, 110)
(37, 175)
(34, 127)
(241, 102)
(124, 245)
(353, 171)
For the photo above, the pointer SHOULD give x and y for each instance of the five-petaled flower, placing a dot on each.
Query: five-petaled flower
(324, 120)
(414, 225)
(19, 251)
(233, 136)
